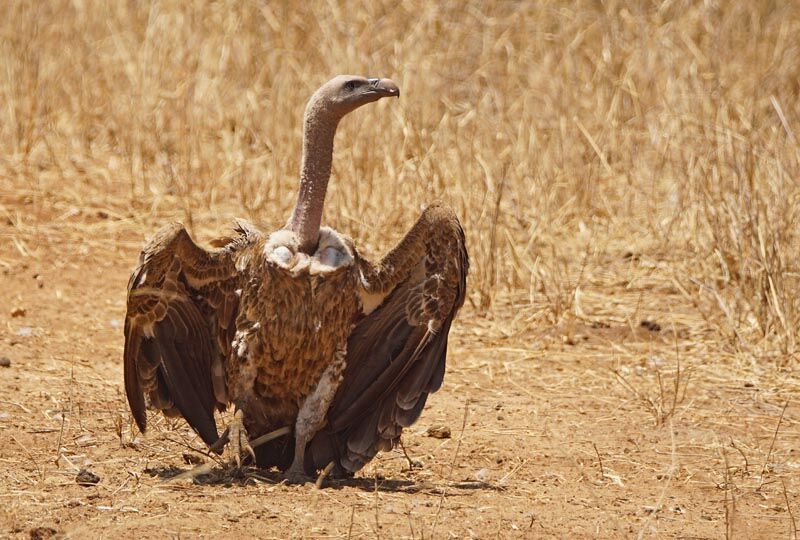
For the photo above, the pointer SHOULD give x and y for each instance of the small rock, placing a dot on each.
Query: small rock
(87, 478)
(5, 362)
(439, 432)
(482, 475)
(18, 312)
(192, 459)
(651, 325)
(25, 331)
(41, 533)
(416, 464)
(85, 440)
(654, 362)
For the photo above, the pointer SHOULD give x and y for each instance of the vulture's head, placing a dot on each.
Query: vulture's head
(333, 100)
(345, 93)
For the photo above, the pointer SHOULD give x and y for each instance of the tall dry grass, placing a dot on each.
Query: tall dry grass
(566, 135)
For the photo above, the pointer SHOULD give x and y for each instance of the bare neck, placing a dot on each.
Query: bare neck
(319, 129)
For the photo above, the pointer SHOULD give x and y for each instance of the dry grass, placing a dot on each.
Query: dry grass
(612, 162)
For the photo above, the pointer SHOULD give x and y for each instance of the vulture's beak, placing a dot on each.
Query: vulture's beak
(384, 87)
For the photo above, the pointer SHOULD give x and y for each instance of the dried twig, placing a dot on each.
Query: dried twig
(730, 508)
(599, 461)
(452, 466)
(789, 510)
(771, 447)
(325, 472)
(673, 468)
(205, 468)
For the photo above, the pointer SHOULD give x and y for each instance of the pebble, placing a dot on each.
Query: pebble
(482, 475)
(439, 432)
(651, 325)
(40, 533)
(192, 459)
(5, 362)
(87, 478)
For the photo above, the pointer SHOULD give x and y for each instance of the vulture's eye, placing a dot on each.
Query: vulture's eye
(350, 85)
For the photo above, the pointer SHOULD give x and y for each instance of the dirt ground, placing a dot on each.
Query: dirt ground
(627, 363)
(564, 433)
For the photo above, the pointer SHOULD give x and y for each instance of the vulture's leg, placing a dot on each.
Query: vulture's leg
(238, 439)
(311, 417)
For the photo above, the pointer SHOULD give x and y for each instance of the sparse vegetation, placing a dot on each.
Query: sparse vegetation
(613, 163)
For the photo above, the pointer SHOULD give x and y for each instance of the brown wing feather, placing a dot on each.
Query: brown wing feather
(182, 304)
(396, 354)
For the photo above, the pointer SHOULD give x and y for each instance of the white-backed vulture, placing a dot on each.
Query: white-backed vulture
(294, 328)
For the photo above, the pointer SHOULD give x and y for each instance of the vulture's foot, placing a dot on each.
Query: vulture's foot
(238, 440)
(297, 476)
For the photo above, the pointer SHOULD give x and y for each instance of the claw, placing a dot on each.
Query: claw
(294, 476)
(234, 435)
(239, 444)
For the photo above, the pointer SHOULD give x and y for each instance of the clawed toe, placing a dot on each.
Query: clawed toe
(297, 477)
(239, 443)
(242, 450)
(240, 455)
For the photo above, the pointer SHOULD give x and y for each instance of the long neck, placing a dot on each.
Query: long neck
(315, 170)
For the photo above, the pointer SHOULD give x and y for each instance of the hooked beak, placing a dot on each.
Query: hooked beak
(384, 87)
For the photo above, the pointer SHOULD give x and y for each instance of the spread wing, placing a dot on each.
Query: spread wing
(396, 354)
(182, 306)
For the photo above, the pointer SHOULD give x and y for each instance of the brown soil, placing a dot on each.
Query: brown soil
(564, 433)
(626, 364)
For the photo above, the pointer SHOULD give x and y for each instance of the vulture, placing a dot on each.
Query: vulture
(294, 328)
